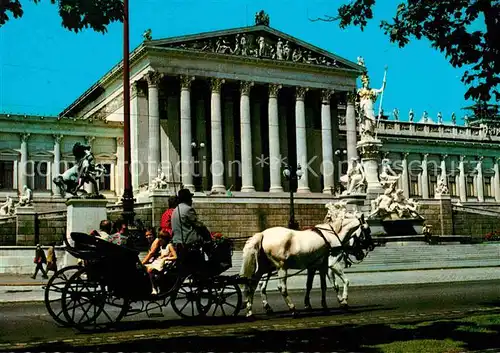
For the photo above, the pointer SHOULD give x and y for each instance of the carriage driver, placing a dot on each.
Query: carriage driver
(188, 232)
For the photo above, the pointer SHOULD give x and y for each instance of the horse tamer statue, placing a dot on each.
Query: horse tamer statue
(84, 171)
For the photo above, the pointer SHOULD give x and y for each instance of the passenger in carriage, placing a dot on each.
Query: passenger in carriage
(119, 235)
(104, 229)
(188, 232)
(163, 253)
(166, 218)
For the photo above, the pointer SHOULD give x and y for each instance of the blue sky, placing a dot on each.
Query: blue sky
(44, 67)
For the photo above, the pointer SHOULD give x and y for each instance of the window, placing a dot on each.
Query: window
(6, 175)
(432, 185)
(40, 175)
(470, 187)
(414, 189)
(104, 182)
(487, 187)
(452, 185)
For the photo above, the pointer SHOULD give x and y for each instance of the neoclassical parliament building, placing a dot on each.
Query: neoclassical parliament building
(228, 110)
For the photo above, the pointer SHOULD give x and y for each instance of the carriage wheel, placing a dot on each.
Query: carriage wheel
(88, 305)
(53, 293)
(191, 299)
(227, 299)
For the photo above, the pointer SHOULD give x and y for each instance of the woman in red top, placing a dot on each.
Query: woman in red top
(166, 218)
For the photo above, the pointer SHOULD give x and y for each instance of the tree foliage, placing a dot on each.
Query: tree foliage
(466, 31)
(75, 14)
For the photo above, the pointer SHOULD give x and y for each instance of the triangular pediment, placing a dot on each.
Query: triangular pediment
(9, 152)
(259, 42)
(41, 154)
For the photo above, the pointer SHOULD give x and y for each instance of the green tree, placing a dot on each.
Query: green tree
(466, 31)
(75, 14)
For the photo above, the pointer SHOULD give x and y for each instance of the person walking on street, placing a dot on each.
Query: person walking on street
(51, 258)
(39, 260)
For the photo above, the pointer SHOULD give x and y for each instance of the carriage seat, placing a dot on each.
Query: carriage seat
(88, 247)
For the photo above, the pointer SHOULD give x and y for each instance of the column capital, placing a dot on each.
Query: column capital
(351, 97)
(89, 140)
(443, 157)
(462, 158)
(120, 141)
(25, 137)
(154, 78)
(137, 90)
(186, 82)
(245, 87)
(405, 155)
(496, 159)
(216, 84)
(480, 159)
(326, 95)
(424, 156)
(58, 138)
(274, 90)
(300, 93)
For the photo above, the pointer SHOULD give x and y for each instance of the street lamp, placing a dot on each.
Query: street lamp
(128, 193)
(292, 175)
(198, 179)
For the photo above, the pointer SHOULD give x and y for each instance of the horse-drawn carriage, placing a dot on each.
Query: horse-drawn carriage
(112, 283)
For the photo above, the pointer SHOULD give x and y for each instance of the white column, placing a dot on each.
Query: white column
(425, 178)
(119, 170)
(443, 169)
(328, 168)
(186, 134)
(23, 165)
(154, 78)
(496, 179)
(139, 134)
(274, 140)
(350, 121)
(405, 176)
(300, 132)
(217, 167)
(246, 138)
(462, 182)
(57, 162)
(479, 180)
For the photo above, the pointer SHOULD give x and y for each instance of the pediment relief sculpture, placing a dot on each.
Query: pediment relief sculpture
(259, 45)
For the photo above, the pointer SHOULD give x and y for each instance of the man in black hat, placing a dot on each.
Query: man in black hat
(188, 231)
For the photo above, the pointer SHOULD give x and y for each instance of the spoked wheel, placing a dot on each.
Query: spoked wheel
(53, 293)
(88, 305)
(191, 299)
(227, 299)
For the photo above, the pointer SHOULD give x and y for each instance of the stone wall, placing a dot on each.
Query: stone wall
(8, 231)
(474, 221)
(437, 213)
(51, 227)
(142, 212)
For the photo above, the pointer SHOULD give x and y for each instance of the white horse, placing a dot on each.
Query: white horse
(283, 249)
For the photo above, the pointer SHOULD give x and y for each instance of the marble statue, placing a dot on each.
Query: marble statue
(367, 97)
(466, 120)
(355, 180)
(84, 171)
(411, 116)
(441, 187)
(440, 118)
(160, 182)
(26, 198)
(147, 35)
(7, 208)
(261, 46)
(395, 113)
(286, 51)
(388, 177)
(279, 49)
(453, 118)
(361, 61)
(425, 117)
(392, 204)
(405, 208)
(381, 206)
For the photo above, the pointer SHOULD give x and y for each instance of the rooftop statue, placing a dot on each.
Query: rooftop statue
(26, 198)
(84, 171)
(7, 208)
(453, 118)
(367, 97)
(355, 180)
(440, 118)
(261, 18)
(147, 35)
(395, 113)
(411, 116)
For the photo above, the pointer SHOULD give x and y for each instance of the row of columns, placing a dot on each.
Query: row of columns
(217, 167)
(462, 184)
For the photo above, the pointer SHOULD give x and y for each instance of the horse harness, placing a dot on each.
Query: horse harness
(331, 250)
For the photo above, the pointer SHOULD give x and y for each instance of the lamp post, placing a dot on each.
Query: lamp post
(292, 175)
(128, 193)
(196, 147)
(339, 158)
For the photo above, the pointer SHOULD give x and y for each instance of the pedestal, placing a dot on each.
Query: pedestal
(354, 202)
(369, 151)
(25, 226)
(83, 215)
(159, 204)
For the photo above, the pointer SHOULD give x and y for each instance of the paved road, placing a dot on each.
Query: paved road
(29, 323)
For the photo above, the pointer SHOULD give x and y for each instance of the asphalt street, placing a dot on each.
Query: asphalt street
(26, 324)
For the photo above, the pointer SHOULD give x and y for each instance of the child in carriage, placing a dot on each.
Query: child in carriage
(163, 253)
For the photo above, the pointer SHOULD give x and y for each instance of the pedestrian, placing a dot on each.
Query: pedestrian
(51, 258)
(166, 218)
(39, 260)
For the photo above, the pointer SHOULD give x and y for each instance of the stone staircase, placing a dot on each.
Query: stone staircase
(408, 256)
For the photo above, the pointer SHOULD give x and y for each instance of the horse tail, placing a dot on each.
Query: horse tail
(251, 252)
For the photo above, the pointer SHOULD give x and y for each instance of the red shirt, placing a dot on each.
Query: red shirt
(166, 220)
